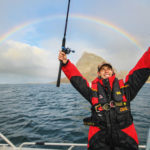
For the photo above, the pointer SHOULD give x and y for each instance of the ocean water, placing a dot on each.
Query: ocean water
(45, 113)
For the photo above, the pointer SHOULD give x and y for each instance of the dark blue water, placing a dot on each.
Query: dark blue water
(42, 112)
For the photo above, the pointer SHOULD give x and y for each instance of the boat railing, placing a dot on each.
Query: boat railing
(7, 141)
(69, 145)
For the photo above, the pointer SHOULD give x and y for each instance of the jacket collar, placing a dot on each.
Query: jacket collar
(110, 80)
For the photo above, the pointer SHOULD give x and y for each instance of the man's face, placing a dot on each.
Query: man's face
(105, 72)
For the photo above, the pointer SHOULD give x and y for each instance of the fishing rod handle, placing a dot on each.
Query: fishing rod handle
(60, 65)
(59, 74)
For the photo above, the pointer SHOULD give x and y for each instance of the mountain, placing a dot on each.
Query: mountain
(87, 65)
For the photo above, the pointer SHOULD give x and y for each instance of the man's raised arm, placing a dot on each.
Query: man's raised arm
(138, 75)
(75, 77)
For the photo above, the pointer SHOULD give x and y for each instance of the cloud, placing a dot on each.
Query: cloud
(114, 48)
(21, 62)
(29, 61)
(108, 44)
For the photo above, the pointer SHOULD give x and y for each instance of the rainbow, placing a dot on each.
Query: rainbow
(96, 20)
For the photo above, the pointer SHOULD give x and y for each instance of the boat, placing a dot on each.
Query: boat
(70, 146)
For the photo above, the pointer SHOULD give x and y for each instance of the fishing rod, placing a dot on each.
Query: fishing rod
(63, 48)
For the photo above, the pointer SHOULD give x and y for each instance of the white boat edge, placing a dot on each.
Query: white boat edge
(10, 146)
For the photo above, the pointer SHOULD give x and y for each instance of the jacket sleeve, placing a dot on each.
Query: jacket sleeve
(138, 76)
(77, 80)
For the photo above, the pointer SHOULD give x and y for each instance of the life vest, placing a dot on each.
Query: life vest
(110, 108)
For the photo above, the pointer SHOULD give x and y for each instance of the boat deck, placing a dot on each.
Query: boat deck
(25, 146)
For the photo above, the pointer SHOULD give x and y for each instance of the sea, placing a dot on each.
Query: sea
(46, 113)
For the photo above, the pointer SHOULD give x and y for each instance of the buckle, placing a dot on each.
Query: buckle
(97, 107)
(106, 106)
(112, 104)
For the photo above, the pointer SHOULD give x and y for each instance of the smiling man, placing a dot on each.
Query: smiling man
(105, 70)
(111, 122)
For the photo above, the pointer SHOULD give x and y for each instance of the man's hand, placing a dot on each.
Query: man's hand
(63, 57)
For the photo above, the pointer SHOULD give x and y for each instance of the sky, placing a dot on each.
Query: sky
(31, 33)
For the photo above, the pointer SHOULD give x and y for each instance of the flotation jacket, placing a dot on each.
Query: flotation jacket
(113, 125)
(109, 104)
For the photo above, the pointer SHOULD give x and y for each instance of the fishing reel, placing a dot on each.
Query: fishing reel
(67, 50)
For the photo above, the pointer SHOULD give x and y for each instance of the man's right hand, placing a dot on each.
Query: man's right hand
(63, 57)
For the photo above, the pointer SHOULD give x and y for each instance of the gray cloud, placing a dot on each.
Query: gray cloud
(28, 61)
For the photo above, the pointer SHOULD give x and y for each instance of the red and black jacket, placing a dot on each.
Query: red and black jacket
(117, 118)
(109, 95)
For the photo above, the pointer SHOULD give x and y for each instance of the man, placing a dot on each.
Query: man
(111, 122)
